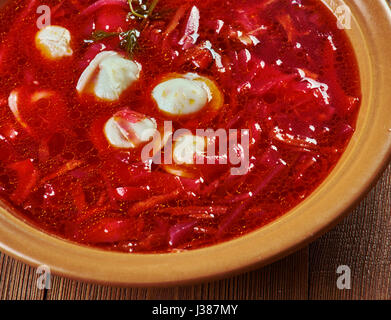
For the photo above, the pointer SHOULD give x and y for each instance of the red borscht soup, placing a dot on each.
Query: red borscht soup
(158, 126)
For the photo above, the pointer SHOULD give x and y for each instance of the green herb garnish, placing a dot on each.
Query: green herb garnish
(144, 11)
(101, 35)
(129, 41)
(141, 13)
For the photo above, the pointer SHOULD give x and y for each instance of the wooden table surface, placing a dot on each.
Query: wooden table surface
(362, 242)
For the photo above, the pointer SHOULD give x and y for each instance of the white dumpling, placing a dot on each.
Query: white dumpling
(182, 96)
(124, 134)
(187, 147)
(54, 42)
(115, 76)
(109, 74)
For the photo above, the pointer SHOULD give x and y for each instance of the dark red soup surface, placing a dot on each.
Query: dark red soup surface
(280, 69)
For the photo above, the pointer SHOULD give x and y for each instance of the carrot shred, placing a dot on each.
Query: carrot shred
(69, 166)
(175, 20)
(139, 207)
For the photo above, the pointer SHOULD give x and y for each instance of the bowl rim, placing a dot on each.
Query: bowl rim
(368, 156)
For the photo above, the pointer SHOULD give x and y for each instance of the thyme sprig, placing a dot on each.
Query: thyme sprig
(129, 39)
(141, 13)
(144, 11)
(99, 35)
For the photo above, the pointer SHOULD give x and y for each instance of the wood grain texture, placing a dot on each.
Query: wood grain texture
(18, 281)
(362, 242)
(286, 279)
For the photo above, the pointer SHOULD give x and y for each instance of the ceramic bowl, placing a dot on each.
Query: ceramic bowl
(364, 160)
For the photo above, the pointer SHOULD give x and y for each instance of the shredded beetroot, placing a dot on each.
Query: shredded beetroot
(180, 232)
(175, 20)
(238, 210)
(109, 230)
(102, 3)
(69, 166)
(152, 202)
(196, 211)
(27, 177)
(131, 194)
(281, 71)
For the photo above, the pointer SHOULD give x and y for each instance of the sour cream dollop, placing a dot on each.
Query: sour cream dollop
(54, 42)
(108, 75)
(181, 95)
(128, 129)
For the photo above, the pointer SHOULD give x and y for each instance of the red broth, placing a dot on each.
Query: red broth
(287, 73)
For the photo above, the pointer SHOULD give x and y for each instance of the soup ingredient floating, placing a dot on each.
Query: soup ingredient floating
(187, 94)
(83, 98)
(108, 75)
(54, 42)
(127, 129)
